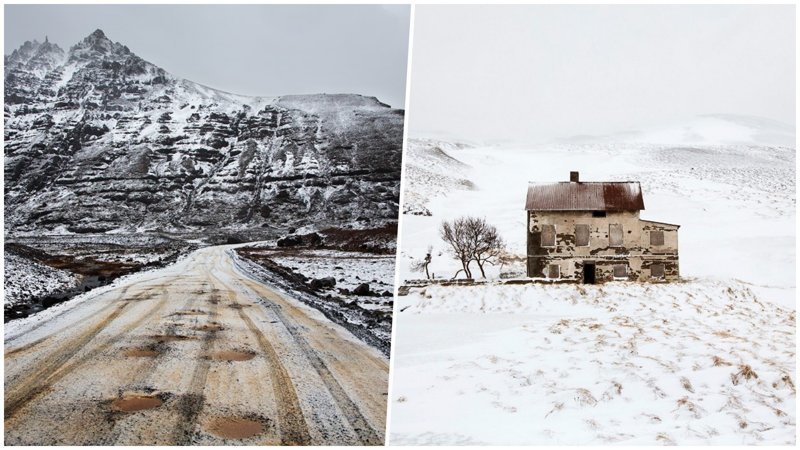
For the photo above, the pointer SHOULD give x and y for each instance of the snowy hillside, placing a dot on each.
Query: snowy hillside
(715, 129)
(25, 278)
(97, 139)
(430, 172)
(709, 360)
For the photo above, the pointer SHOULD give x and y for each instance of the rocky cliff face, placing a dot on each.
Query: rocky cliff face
(98, 139)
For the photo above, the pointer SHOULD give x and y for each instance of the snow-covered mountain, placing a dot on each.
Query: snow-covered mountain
(98, 139)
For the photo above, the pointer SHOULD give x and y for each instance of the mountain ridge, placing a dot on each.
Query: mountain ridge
(104, 141)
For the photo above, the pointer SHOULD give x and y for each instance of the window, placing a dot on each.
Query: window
(553, 271)
(657, 271)
(581, 235)
(615, 235)
(656, 238)
(620, 271)
(548, 235)
(598, 213)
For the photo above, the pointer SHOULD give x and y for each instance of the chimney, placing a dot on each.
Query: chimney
(573, 177)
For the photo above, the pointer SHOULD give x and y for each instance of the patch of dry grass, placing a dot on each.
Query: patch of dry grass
(746, 372)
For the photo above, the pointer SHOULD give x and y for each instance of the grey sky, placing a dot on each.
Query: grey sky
(245, 49)
(535, 72)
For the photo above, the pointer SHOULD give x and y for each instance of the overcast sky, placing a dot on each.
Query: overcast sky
(245, 49)
(535, 72)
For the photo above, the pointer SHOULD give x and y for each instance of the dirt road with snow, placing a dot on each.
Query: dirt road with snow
(196, 353)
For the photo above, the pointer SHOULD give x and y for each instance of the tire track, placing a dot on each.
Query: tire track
(367, 435)
(292, 424)
(33, 328)
(26, 347)
(119, 297)
(55, 367)
(191, 403)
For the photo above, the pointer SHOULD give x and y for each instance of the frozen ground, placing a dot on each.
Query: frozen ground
(618, 363)
(25, 279)
(367, 316)
(41, 271)
(350, 269)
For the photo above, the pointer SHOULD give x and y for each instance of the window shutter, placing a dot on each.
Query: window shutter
(548, 235)
(582, 235)
(656, 238)
(615, 235)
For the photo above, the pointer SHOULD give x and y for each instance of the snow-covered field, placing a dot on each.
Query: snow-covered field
(617, 363)
(576, 365)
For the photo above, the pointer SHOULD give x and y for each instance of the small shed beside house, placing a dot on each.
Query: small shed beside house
(591, 232)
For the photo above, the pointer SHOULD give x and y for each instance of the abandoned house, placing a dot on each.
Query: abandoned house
(591, 232)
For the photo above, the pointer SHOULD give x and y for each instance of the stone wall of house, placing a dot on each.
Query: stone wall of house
(554, 239)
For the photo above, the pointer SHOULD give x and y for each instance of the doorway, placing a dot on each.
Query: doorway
(588, 273)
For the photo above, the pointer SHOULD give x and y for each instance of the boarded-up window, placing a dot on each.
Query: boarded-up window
(656, 238)
(615, 235)
(581, 235)
(548, 235)
(553, 271)
(620, 271)
(657, 271)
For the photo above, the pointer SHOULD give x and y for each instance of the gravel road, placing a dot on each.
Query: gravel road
(195, 353)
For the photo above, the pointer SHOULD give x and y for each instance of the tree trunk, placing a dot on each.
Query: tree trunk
(480, 266)
(467, 272)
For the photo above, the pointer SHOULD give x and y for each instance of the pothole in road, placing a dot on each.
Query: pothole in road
(131, 403)
(190, 312)
(234, 427)
(234, 355)
(146, 352)
(212, 327)
(237, 306)
(171, 337)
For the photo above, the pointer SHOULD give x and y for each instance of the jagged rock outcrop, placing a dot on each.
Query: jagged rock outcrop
(98, 139)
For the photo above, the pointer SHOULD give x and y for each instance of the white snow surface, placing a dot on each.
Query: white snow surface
(25, 278)
(350, 269)
(619, 363)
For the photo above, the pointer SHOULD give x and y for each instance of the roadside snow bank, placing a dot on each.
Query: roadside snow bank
(25, 279)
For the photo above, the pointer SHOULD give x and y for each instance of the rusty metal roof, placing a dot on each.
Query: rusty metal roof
(592, 196)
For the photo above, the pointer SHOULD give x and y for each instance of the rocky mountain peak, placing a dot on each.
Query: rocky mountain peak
(96, 45)
(35, 51)
(100, 140)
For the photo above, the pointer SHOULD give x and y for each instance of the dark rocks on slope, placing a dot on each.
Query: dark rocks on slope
(98, 139)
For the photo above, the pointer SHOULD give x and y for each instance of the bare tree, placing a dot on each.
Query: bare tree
(473, 239)
(419, 266)
(488, 247)
(456, 234)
